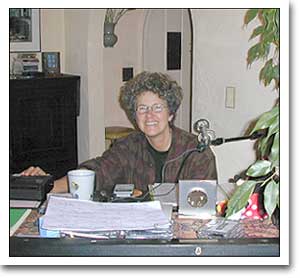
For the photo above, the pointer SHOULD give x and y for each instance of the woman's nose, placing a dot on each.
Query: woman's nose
(149, 113)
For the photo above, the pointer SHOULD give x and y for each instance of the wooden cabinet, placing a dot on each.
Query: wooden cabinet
(43, 123)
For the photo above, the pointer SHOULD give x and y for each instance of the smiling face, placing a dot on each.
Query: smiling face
(154, 124)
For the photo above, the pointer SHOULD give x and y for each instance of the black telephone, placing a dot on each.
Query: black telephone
(29, 187)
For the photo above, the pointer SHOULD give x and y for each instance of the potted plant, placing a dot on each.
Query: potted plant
(112, 17)
(265, 171)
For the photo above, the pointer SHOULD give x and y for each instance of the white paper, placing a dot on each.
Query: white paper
(77, 215)
(24, 204)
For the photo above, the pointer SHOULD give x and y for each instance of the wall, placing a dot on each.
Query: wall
(84, 56)
(125, 53)
(53, 33)
(157, 23)
(219, 50)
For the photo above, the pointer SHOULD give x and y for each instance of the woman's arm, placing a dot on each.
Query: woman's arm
(60, 185)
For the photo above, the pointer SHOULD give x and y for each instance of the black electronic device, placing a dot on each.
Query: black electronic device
(29, 187)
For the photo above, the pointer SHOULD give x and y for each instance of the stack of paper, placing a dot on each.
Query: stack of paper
(112, 220)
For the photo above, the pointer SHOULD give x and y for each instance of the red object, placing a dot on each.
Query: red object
(221, 207)
(254, 209)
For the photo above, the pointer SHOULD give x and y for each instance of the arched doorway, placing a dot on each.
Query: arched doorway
(163, 30)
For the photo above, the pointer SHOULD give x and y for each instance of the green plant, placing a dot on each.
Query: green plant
(114, 15)
(265, 171)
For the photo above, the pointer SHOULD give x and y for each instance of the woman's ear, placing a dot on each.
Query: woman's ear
(171, 117)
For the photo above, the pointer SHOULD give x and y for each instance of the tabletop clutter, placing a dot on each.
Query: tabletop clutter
(63, 216)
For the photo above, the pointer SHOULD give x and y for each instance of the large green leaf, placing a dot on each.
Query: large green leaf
(265, 49)
(259, 168)
(256, 32)
(276, 76)
(269, 37)
(266, 73)
(266, 119)
(250, 15)
(258, 51)
(240, 197)
(271, 196)
(263, 146)
(274, 126)
(277, 22)
(253, 53)
(274, 155)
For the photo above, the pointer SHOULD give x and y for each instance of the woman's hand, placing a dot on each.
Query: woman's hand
(33, 171)
(137, 193)
(60, 186)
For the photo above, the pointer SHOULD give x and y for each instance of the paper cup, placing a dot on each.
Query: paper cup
(81, 183)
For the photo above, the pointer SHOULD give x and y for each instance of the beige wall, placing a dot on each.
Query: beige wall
(157, 23)
(220, 50)
(53, 32)
(84, 56)
(125, 53)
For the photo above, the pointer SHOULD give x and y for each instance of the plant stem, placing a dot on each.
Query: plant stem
(264, 182)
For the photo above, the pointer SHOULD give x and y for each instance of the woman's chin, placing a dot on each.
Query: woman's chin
(150, 129)
(151, 134)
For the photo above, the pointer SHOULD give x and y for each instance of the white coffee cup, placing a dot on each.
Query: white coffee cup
(81, 183)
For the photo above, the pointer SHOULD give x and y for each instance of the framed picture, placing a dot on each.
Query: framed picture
(24, 30)
(51, 62)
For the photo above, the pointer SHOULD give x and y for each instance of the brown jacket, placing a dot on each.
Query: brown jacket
(129, 161)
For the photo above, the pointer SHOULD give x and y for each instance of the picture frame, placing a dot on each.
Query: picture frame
(51, 62)
(24, 30)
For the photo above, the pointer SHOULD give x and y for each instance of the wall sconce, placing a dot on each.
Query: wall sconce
(112, 17)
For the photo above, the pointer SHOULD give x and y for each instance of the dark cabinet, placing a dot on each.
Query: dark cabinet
(43, 123)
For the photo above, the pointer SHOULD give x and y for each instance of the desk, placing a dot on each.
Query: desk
(262, 239)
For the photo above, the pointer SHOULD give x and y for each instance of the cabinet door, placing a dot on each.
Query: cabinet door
(43, 125)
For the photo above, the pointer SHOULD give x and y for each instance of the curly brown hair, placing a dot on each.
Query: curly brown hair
(155, 82)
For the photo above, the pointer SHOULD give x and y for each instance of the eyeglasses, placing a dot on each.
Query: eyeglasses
(156, 108)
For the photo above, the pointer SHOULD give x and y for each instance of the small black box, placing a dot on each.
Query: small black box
(30, 187)
(127, 74)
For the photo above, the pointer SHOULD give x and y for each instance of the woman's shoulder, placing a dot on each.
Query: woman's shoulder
(184, 140)
(183, 135)
(133, 139)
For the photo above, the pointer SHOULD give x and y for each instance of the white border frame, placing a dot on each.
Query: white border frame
(288, 192)
(35, 45)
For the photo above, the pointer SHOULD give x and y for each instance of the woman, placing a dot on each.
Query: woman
(150, 101)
